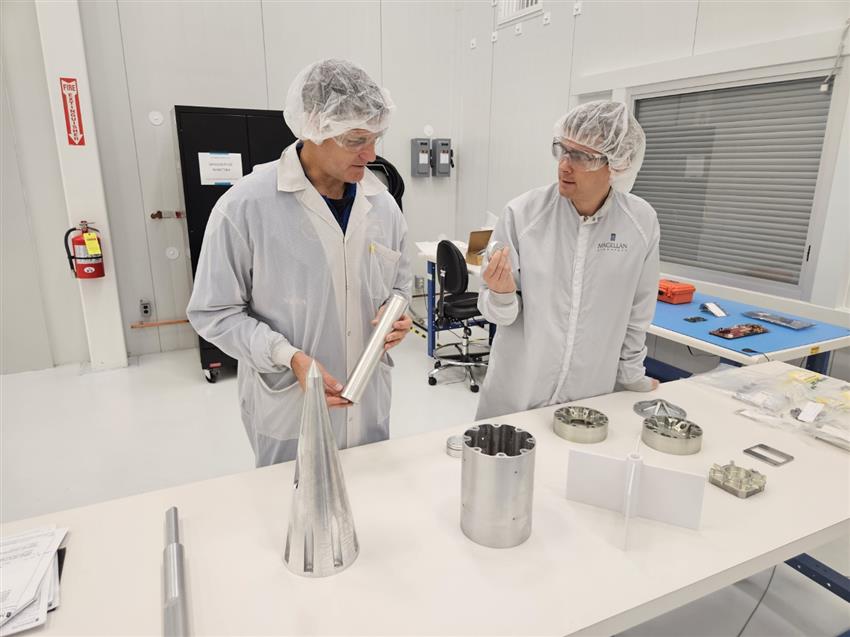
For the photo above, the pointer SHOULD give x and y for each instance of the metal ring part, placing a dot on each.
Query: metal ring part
(737, 480)
(672, 435)
(454, 446)
(497, 485)
(580, 424)
(659, 407)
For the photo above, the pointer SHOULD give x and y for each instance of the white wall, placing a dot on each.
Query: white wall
(418, 61)
(42, 204)
(24, 344)
(530, 91)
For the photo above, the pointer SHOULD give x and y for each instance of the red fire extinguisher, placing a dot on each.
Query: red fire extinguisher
(85, 257)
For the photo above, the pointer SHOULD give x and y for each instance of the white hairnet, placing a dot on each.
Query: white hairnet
(330, 97)
(608, 128)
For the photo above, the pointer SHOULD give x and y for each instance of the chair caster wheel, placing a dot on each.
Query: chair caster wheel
(432, 380)
(473, 389)
(438, 364)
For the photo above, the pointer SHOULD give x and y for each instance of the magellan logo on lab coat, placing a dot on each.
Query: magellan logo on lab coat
(613, 245)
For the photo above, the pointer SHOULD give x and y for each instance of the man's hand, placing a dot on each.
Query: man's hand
(400, 329)
(300, 365)
(498, 276)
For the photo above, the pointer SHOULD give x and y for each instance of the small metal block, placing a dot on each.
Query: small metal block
(580, 424)
(737, 480)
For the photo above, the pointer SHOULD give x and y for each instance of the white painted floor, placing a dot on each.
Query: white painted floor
(69, 439)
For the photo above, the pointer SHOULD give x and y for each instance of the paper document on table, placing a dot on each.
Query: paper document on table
(25, 559)
(35, 613)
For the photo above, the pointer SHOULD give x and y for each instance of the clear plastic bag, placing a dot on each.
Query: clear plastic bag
(780, 401)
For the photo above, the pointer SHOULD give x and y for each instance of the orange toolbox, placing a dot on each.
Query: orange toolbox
(675, 292)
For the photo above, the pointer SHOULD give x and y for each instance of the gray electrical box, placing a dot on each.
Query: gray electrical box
(420, 157)
(441, 157)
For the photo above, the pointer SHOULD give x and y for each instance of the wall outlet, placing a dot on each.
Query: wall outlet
(145, 309)
(419, 284)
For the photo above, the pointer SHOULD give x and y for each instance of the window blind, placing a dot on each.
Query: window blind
(731, 173)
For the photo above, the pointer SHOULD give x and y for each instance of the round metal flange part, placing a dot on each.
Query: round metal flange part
(454, 446)
(659, 407)
(672, 435)
(497, 485)
(580, 424)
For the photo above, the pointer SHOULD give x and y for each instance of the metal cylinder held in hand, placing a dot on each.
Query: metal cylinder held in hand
(497, 485)
(356, 385)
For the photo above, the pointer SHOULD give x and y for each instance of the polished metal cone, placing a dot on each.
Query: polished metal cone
(321, 539)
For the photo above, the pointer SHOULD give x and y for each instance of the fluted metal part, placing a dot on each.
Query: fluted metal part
(321, 539)
(497, 485)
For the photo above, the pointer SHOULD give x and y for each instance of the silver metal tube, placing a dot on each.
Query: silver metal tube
(356, 385)
(497, 485)
(175, 617)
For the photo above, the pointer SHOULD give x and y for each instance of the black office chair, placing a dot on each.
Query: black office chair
(456, 305)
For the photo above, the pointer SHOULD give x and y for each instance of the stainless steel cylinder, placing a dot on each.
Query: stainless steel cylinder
(497, 485)
(368, 361)
(580, 424)
(672, 435)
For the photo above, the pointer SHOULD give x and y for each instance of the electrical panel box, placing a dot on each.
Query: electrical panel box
(442, 160)
(420, 157)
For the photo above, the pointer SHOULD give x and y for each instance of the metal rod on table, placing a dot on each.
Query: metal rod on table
(175, 618)
(356, 385)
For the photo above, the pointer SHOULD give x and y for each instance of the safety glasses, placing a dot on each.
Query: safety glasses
(577, 158)
(356, 141)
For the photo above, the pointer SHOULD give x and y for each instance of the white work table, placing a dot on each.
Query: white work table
(418, 574)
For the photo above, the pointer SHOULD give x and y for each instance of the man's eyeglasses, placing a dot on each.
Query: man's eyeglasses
(356, 141)
(577, 158)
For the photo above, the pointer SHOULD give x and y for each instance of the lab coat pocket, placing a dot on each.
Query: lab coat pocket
(278, 400)
(382, 270)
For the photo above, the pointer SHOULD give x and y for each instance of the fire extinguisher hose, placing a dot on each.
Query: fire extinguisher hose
(68, 250)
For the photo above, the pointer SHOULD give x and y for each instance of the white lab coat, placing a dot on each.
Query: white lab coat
(277, 273)
(587, 294)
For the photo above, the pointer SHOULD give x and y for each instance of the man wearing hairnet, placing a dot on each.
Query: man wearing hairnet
(298, 260)
(573, 282)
